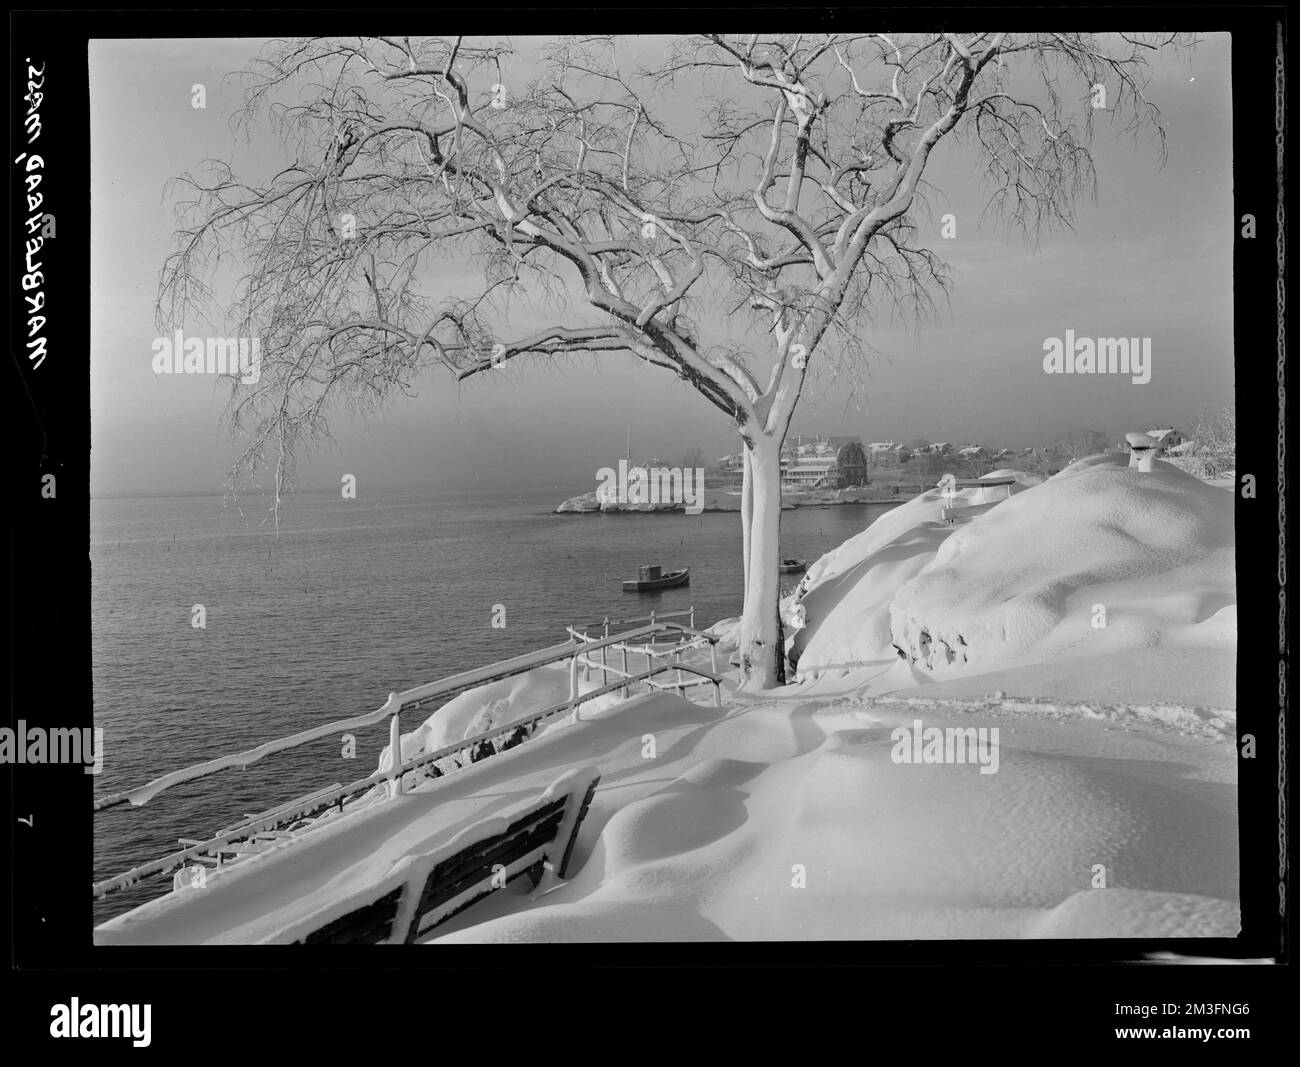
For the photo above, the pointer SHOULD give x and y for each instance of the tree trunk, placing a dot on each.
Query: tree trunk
(746, 514)
(762, 659)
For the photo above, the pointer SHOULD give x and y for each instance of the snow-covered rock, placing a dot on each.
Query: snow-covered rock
(1099, 561)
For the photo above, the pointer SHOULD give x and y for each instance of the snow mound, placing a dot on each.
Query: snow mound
(1098, 561)
(847, 592)
(843, 842)
(1194, 721)
(1148, 555)
(1133, 913)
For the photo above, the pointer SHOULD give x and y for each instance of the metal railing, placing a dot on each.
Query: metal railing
(308, 807)
(652, 618)
(652, 653)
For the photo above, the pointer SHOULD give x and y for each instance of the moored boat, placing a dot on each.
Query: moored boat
(651, 577)
(793, 566)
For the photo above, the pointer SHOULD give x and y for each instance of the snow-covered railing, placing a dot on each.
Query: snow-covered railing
(695, 639)
(397, 703)
(305, 808)
(652, 618)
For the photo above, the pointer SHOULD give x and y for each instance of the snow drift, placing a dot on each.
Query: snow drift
(815, 833)
(1126, 574)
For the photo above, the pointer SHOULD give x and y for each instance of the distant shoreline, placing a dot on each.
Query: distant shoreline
(729, 500)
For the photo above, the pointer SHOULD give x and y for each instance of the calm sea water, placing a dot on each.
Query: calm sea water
(352, 599)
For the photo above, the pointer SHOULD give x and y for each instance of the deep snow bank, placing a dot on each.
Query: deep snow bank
(846, 594)
(1098, 561)
(792, 821)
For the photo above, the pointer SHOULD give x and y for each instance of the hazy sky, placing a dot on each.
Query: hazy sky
(1153, 258)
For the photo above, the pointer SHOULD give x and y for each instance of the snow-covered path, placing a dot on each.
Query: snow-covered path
(790, 820)
(786, 817)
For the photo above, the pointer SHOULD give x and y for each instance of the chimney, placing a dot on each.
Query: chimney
(1143, 450)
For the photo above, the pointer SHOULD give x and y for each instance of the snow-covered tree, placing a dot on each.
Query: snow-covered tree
(1079, 443)
(1215, 442)
(732, 215)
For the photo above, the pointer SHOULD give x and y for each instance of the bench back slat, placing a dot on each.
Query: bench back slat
(541, 834)
(367, 925)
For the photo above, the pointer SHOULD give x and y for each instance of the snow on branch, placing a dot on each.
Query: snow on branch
(440, 185)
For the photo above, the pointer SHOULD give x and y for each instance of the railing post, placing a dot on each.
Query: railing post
(713, 656)
(717, 695)
(573, 676)
(692, 616)
(395, 746)
(626, 672)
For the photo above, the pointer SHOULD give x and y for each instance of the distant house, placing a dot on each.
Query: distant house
(934, 460)
(823, 462)
(732, 469)
(887, 454)
(807, 462)
(975, 460)
(1168, 437)
(882, 454)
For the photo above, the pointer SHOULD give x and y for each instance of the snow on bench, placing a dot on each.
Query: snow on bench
(950, 512)
(421, 892)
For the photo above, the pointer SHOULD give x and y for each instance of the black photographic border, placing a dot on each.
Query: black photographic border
(52, 957)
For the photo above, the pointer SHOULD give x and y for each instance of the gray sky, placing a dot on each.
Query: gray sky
(1153, 258)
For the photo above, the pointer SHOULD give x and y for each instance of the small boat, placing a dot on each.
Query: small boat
(651, 577)
(793, 566)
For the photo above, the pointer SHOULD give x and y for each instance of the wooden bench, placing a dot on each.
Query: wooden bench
(950, 513)
(422, 892)
(965, 511)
